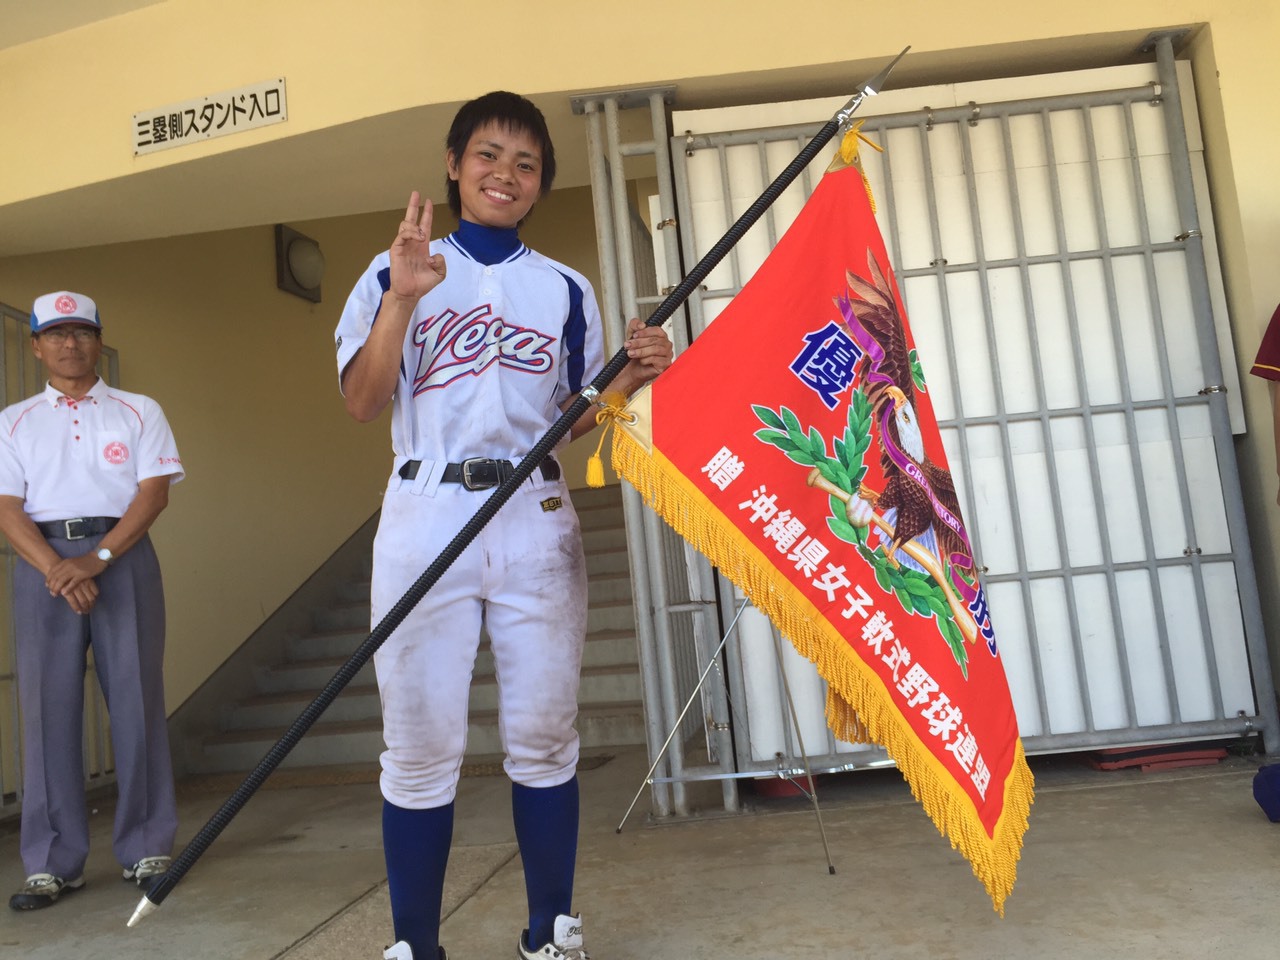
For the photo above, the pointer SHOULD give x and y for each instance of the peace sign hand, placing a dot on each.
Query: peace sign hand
(415, 272)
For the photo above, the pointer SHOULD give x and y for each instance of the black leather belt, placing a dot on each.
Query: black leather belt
(480, 473)
(76, 528)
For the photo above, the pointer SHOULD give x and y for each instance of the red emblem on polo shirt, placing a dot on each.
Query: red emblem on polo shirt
(65, 304)
(116, 452)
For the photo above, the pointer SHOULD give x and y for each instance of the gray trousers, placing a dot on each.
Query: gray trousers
(126, 632)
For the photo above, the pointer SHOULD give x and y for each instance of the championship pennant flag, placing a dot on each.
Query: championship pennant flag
(816, 480)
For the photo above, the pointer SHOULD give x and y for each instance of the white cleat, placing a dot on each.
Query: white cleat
(402, 951)
(566, 945)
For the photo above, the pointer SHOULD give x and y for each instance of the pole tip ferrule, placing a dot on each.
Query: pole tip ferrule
(145, 908)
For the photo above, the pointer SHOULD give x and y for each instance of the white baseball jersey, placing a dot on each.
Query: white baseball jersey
(490, 355)
(83, 458)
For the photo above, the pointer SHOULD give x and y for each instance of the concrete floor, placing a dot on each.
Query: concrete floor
(1172, 865)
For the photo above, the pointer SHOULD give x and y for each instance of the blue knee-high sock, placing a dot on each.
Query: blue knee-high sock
(546, 820)
(416, 846)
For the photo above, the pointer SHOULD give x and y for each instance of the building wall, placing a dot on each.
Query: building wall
(279, 476)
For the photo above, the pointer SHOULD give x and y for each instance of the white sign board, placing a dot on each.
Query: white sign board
(203, 118)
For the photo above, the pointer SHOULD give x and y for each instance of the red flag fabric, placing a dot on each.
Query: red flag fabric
(794, 444)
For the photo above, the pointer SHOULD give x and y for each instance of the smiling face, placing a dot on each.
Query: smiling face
(499, 175)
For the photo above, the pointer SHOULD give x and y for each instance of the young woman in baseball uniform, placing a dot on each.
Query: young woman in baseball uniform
(478, 343)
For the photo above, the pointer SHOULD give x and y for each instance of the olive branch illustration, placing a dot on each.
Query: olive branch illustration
(840, 477)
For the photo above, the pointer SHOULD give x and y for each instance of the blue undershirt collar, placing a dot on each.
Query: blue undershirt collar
(488, 245)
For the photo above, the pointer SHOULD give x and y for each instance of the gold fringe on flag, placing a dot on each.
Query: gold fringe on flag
(858, 707)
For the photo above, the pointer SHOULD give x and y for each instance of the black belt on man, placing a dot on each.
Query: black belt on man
(480, 473)
(76, 528)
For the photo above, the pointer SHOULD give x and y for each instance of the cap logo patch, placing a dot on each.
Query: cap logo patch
(65, 304)
(552, 503)
(116, 452)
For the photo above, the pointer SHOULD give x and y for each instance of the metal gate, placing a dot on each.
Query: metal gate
(21, 376)
(1052, 261)
(1053, 266)
(673, 587)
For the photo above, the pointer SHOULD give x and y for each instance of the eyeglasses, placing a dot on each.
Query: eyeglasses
(82, 335)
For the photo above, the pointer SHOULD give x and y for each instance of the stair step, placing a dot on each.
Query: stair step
(600, 685)
(603, 648)
(606, 582)
(325, 645)
(329, 651)
(278, 710)
(354, 591)
(310, 675)
(350, 731)
(353, 614)
(602, 517)
(326, 743)
(611, 615)
(604, 540)
(608, 587)
(609, 562)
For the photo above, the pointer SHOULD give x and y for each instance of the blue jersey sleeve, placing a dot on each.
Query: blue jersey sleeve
(583, 341)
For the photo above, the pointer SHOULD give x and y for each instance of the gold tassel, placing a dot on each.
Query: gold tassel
(595, 469)
(611, 409)
(847, 156)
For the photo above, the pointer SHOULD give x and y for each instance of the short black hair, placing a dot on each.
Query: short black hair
(509, 110)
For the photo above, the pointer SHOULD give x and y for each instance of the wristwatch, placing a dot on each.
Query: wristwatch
(106, 556)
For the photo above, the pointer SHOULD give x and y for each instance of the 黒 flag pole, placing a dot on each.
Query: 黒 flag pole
(163, 885)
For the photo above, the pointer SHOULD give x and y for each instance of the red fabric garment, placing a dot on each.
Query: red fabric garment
(1267, 362)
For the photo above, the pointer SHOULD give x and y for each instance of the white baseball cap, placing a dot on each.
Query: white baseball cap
(63, 307)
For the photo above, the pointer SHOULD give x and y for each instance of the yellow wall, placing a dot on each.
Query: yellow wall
(245, 375)
(278, 475)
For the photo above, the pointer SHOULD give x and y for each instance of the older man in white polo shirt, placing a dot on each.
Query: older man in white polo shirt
(84, 471)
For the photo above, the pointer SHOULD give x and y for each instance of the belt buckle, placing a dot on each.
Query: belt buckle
(67, 527)
(469, 483)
